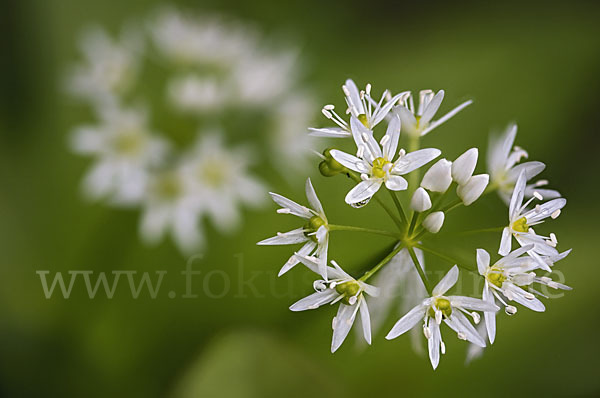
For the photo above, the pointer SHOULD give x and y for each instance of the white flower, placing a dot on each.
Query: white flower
(315, 232)
(472, 190)
(338, 286)
(450, 309)
(510, 276)
(124, 150)
(434, 221)
(420, 200)
(464, 166)
(503, 168)
(171, 205)
(109, 68)
(376, 164)
(361, 106)
(419, 123)
(220, 180)
(193, 94)
(439, 176)
(522, 220)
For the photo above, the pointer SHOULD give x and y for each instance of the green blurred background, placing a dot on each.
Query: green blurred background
(534, 63)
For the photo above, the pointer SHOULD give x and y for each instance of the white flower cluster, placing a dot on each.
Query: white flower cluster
(379, 164)
(163, 94)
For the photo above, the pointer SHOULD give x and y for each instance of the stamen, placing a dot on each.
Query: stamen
(461, 336)
(386, 138)
(555, 215)
(426, 332)
(538, 195)
(541, 183)
(352, 300)
(368, 89)
(329, 107)
(364, 177)
(346, 91)
(438, 316)
(476, 317)
(361, 151)
(510, 310)
(553, 238)
(443, 347)
(327, 114)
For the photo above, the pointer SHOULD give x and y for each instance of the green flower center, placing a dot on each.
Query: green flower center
(496, 278)
(348, 289)
(443, 305)
(520, 225)
(363, 119)
(378, 167)
(213, 174)
(128, 143)
(168, 187)
(312, 225)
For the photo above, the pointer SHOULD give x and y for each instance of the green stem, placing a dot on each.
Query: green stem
(446, 258)
(452, 206)
(333, 227)
(413, 178)
(413, 223)
(399, 207)
(420, 271)
(383, 262)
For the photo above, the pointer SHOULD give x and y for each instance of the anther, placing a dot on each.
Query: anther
(476, 317)
(510, 310)
(368, 89)
(461, 336)
(327, 114)
(553, 238)
(426, 332)
(346, 91)
(537, 195)
(555, 214)
(329, 107)
(352, 300)
(443, 347)
(386, 138)
(541, 183)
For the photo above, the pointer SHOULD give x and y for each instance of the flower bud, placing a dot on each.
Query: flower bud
(464, 166)
(472, 190)
(420, 200)
(433, 222)
(438, 178)
(330, 167)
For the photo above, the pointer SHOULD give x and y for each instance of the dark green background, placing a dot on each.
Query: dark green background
(535, 63)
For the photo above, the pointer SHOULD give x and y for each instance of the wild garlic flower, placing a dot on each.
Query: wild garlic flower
(450, 309)
(125, 151)
(418, 122)
(504, 167)
(512, 276)
(110, 67)
(400, 275)
(361, 106)
(376, 163)
(314, 233)
(338, 286)
(522, 220)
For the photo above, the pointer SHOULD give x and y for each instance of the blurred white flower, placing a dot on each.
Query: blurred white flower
(109, 67)
(418, 122)
(450, 309)
(338, 286)
(503, 168)
(124, 151)
(220, 180)
(376, 163)
(195, 94)
(522, 220)
(315, 232)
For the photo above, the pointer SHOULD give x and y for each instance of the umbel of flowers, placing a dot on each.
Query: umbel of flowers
(164, 140)
(419, 204)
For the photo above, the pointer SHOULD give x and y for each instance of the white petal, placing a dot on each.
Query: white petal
(434, 343)
(344, 320)
(447, 282)
(294, 207)
(472, 303)
(312, 197)
(315, 300)
(544, 210)
(365, 319)
(407, 322)
(396, 183)
(483, 261)
(413, 160)
(446, 117)
(393, 131)
(517, 196)
(505, 242)
(329, 132)
(353, 97)
(460, 323)
(347, 160)
(286, 238)
(432, 108)
(489, 317)
(295, 258)
(363, 190)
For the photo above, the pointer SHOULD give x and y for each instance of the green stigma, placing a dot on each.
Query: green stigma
(363, 119)
(313, 224)
(443, 305)
(348, 289)
(378, 165)
(520, 225)
(128, 143)
(213, 174)
(168, 187)
(496, 278)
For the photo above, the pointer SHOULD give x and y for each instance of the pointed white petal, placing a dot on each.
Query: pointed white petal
(447, 282)
(363, 190)
(483, 261)
(413, 160)
(311, 195)
(286, 238)
(407, 322)
(396, 183)
(315, 300)
(343, 323)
